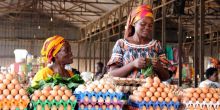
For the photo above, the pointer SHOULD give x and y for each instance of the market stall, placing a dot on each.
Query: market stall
(154, 54)
(67, 94)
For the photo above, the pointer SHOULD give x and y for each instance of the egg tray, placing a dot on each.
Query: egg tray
(9, 104)
(197, 103)
(100, 103)
(17, 108)
(51, 103)
(131, 82)
(99, 108)
(127, 89)
(82, 95)
(93, 108)
(154, 104)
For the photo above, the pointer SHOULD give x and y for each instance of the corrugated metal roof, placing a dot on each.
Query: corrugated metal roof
(76, 12)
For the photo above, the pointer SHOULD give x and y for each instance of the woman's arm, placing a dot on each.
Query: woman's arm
(162, 72)
(121, 71)
(126, 69)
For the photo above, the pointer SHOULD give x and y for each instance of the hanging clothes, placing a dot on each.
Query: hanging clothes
(169, 52)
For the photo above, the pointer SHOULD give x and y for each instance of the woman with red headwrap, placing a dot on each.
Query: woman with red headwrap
(131, 53)
(58, 52)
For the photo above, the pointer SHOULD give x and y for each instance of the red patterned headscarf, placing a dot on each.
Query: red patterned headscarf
(51, 47)
(137, 14)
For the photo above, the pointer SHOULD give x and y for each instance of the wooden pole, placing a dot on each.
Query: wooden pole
(163, 24)
(90, 54)
(180, 49)
(210, 37)
(196, 60)
(218, 45)
(94, 56)
(201, 38)
(78, 54)
(86, 54)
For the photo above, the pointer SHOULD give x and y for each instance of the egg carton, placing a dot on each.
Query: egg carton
(100, 103)
(127, 89)
(201, 104)
(10, 108)
(128, 81)
(176, 105)
(94, 107)
(34, 104)
(81, 95)
(15, 104)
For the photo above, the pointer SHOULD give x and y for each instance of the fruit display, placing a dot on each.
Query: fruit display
(56, 97)
(12, 95)
(99, 95)
(154, 94)
(202, 98)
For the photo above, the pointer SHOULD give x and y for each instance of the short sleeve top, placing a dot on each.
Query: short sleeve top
(124, 52)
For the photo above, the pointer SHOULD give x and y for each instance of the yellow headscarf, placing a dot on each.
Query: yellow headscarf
(52, 46)
(137, 14)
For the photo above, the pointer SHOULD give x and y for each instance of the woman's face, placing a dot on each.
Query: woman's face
(214, 77)
(143, 27)
(65, 55)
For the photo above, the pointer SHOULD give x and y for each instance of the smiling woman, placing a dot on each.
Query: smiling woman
(58, 52)
(134, 53)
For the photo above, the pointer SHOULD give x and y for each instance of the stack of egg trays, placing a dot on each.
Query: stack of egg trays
(176, 105)
(197, 103)
(53, 102)
(4, 103)
(80, 96)
(100, 106)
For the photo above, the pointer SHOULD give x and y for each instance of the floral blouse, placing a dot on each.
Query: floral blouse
(124, 52)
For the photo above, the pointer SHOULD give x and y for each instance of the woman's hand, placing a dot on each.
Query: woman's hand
(139, 63)
(162, 73)
(156, 63)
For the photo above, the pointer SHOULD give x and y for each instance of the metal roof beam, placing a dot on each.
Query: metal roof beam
(87, 2)
(85, 8)
(116, 1)
(68, 14)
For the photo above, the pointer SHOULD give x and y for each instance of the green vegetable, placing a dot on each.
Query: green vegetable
(56, 79)
(148, 70)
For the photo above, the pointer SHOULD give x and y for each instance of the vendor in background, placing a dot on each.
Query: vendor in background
(100, 71)
(215, 63)
(212, 79)
(130, 54)
(58, 52)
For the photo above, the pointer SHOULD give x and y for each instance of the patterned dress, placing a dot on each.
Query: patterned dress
(124, 52)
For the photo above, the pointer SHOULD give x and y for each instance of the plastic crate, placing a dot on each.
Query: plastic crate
(34, 104)
(13, 104)
(81, 95)
(176, 105)
(99, 107)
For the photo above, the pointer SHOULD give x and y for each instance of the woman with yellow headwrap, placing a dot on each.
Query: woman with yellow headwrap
(130, 54)
(58, 52)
